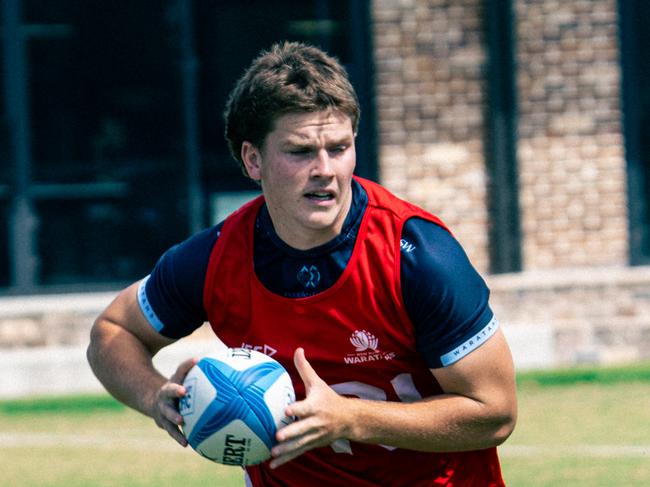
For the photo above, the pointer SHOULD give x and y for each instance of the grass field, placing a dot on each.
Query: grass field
(579, 428)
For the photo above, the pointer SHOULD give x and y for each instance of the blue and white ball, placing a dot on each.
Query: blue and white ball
(234, 405)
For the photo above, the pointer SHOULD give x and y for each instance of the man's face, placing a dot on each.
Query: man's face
(305, 168)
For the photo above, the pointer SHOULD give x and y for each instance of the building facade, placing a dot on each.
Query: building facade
(521, 123)
(575, 105)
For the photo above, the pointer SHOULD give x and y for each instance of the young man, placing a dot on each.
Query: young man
(402, 374)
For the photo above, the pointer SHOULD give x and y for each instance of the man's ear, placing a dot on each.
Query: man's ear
(252, 159)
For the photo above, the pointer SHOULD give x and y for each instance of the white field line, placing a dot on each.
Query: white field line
(578, 451)
(22, 440)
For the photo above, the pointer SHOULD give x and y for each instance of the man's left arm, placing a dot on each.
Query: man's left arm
(478, 410)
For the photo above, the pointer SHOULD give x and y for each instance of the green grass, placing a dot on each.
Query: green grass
(87, 404)
(585, 427)
(582, 427)
(104, 445)
(639, 372)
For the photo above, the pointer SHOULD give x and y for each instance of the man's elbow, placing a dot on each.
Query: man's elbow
(503, 424)
(93, 351)
(503, 430)
(104, 336)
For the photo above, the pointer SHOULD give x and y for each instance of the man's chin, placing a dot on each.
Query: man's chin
(322, 224)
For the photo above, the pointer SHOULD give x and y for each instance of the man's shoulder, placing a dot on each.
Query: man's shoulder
(201, 241)
(247, 210)
(381, 198)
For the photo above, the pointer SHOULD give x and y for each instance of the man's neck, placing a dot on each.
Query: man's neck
(312, 240)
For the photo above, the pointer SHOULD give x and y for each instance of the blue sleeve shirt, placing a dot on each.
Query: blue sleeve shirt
(171, 297)
(444, 296)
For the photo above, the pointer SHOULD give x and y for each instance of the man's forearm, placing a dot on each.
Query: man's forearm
(124, 366)
(442, 423)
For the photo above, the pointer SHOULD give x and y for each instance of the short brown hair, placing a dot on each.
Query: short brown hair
(290, 77)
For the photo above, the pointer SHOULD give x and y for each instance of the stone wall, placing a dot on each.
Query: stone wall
(571, 154)
(429, 58)
(49, 320)
(43, 341)
(551, 318)
(595, 315)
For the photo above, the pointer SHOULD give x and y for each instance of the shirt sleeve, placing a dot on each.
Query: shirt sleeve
(445, 297)
(171, 297)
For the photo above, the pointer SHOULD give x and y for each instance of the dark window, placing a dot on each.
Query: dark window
(5, 272)
(635, 45)
(105, 126)
(123, 151)
(501, 138)
(231, 34)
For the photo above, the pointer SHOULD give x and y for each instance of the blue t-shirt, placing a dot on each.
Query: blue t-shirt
(445, 298)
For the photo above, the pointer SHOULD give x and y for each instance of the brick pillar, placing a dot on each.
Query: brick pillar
(429, 56)
(571, 155)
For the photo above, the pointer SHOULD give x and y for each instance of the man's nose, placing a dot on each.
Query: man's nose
(322, 165)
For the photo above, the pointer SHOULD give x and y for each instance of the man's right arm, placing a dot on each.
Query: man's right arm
(122, 346)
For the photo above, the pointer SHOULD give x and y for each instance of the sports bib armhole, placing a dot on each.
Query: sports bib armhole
(228, 225)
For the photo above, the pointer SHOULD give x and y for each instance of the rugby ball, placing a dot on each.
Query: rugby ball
(234, 405)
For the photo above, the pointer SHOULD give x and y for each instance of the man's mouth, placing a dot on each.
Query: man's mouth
(320, 195)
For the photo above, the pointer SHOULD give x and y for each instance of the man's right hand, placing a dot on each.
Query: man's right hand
(165, 407)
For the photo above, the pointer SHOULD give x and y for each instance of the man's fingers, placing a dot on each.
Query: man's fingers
(166, 412)
(170, 413)
(168, 418)
(173, 431)
(182, 370)
(171, 392)
(295, 430)
(288, 450)
(281, 460)
(304, 368)
(299, 409)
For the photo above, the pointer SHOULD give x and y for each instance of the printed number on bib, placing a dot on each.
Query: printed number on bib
(402, 385)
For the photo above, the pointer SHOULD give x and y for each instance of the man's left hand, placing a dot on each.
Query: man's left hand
(321, 416)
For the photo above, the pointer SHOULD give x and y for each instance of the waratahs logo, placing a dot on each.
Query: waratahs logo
(364, 340)
(366, 348)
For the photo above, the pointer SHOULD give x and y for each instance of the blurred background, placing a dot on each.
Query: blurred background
(521, 123)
